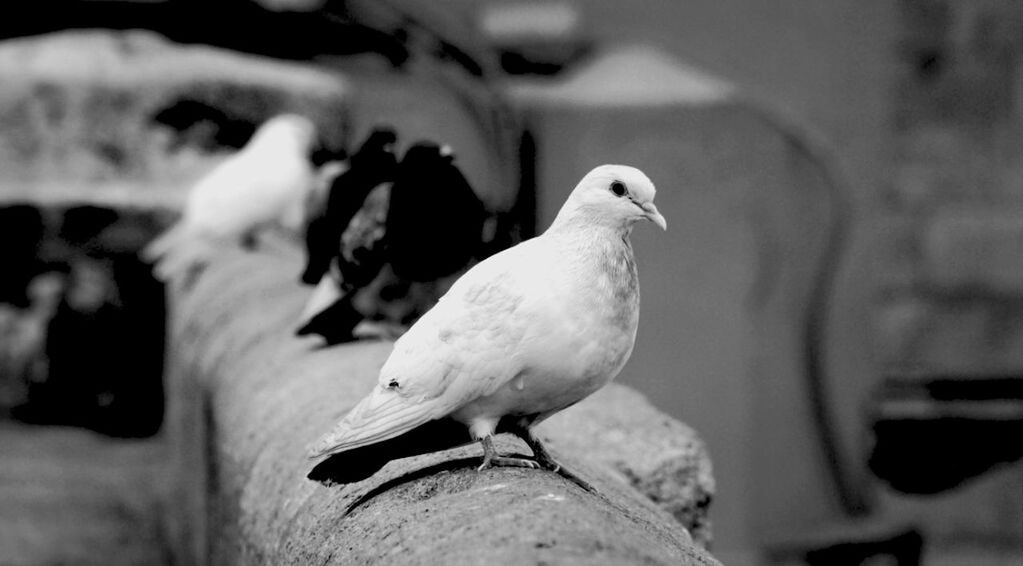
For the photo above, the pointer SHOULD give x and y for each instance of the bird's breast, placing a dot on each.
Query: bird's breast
(616, 271)
(578, 341)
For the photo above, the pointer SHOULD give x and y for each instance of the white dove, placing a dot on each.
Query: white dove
(270, 180)
(523, 334)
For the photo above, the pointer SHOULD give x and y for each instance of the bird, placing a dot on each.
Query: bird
(520, 336)
(372, 165)
(357, 260)
(399, 249)
(435, 219)
(270, 180)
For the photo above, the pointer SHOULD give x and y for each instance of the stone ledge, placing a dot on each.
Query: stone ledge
(662, 458)
(267, 394)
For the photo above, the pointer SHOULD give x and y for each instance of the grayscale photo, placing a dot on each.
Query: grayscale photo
(511, 283)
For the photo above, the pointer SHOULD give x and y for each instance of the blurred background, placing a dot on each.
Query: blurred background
(837, 306)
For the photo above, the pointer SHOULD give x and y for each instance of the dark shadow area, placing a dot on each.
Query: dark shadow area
(442, 434)
(451, 465)
(84, 329)
(932, 434)
(428, 471)
(234, 24)
(21, 230)
(201, 125)
(903, 549)
(361, 463)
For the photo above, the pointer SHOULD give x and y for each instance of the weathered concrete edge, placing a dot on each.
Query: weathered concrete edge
(660, 457)
(237, 353)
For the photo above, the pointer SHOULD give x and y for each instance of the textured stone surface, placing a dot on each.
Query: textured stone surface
(268, 394)
(656, 454)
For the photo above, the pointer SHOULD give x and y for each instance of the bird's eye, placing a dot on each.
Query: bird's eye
(618, 188)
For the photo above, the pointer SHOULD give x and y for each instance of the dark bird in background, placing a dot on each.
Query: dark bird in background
(373, 164)
(435, 220)
(397, 258)
(22, 229)
(355, 262)
(82, 224)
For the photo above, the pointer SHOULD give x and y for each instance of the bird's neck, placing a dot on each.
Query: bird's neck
(602, 256)
(578, 222)
(597, 247)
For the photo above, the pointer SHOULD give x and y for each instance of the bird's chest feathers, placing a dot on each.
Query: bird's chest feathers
(618, 286)
(574, 326)
(596, 313)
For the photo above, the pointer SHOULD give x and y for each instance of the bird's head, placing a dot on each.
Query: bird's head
(291, 130)
(616, 195)
(381, 140)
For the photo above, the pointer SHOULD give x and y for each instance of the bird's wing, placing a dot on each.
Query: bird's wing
(462, 349)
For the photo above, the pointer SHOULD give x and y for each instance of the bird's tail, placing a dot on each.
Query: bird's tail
(336, 324)
(164, 243)
(326, 293)
(186, 262)
(179, 253)
(383, 415)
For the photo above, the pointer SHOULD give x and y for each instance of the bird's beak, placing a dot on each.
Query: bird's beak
(653, 215)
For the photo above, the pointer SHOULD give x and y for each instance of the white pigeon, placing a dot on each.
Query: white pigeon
(523, 334)
(270, 180)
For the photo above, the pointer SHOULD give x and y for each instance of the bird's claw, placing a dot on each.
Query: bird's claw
(508, 462)
(551, 466)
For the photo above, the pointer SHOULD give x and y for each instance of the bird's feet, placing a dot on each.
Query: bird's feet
(509, 462)
(491, 459)
(542, 456)
(540, 453)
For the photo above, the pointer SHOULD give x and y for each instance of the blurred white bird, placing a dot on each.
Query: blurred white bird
(270, 180)
(520, 336)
